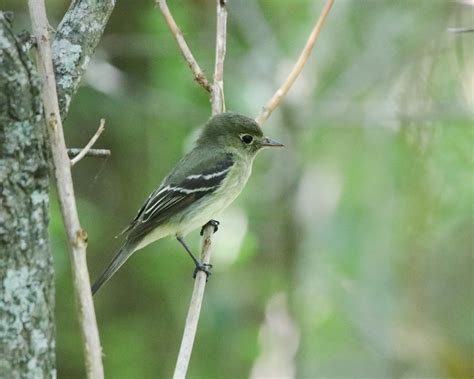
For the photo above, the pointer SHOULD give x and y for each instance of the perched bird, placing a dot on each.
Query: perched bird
(201, 185)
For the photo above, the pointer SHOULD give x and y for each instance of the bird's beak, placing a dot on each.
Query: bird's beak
(270, 143)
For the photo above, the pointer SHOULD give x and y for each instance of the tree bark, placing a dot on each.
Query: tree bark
(75, 41)
(26, 269)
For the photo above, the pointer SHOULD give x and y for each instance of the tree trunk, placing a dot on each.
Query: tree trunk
(26, 268)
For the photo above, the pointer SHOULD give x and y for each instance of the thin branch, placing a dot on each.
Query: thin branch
(217, 95)
(218, 105)
(460, 30)
(194, 309)
(303, 58)
(89, 145)
(199, 75)
(77, 237)
(96, 153)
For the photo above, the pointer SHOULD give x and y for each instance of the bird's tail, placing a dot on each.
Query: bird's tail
(122, 255)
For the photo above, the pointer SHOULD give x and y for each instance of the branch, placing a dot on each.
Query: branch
(89, 145)
(75, 41)
(194, 309)
(199, 75)
(460, 30)
(218, 105)
(77, 237)
(303, 58)
(96, 153)
(217, 95)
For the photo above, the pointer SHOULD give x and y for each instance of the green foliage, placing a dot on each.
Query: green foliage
(364, 221)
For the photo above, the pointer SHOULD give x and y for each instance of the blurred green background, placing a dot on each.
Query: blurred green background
(349, 255)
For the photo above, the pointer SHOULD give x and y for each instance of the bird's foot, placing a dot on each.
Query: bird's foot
(205, 268)
(213, 223)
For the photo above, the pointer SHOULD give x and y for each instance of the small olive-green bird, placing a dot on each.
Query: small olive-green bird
(201, 185)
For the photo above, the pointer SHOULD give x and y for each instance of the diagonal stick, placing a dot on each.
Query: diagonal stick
(199, 75)
(281, 92)
(89, 145)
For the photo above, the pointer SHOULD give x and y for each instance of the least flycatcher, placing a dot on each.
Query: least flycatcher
(201, 185)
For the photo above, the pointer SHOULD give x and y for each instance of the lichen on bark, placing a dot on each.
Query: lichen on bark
(77, 37)
(26, 270)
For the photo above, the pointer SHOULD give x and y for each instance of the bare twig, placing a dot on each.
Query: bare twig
(218, 105)
(76, 235)
(194, 309)
(199, 75)
(217, 95)
(283, 90)
(460, 30)
(96, 153)
(89, 145)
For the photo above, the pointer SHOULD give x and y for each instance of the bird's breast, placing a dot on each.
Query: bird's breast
(210, 206)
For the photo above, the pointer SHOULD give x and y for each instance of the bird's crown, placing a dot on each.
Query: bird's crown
(229, 124)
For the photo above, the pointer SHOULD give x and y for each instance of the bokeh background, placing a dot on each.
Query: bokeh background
(350, 252)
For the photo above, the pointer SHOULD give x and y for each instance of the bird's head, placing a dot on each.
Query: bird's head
(236, 132)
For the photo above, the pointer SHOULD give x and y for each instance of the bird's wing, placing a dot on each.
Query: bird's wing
(196, 179)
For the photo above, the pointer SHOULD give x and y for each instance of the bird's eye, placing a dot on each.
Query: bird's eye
(246, 138)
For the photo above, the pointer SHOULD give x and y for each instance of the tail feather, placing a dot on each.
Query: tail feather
(122, 255)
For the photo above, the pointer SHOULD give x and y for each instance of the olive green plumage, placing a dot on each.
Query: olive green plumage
(203, 183)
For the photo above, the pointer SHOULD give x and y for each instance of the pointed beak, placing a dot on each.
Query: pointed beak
(271, 143)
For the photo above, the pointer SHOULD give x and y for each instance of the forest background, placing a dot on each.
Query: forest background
(349, 252)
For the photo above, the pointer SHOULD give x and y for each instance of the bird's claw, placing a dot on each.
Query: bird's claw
(213, 223)
(205, 268)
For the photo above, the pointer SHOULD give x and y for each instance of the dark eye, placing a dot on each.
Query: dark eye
(246, 139)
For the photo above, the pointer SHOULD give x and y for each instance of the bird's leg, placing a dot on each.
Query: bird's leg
(213, 223)
(204, 267)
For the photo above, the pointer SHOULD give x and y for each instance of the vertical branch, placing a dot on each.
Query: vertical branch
(276, 99)
(77, 237)
(194, 311)
(218, 105)
(217, 95)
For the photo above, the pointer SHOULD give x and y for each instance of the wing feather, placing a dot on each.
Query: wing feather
(173, 197)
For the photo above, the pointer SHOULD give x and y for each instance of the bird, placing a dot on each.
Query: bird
(202, 184)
